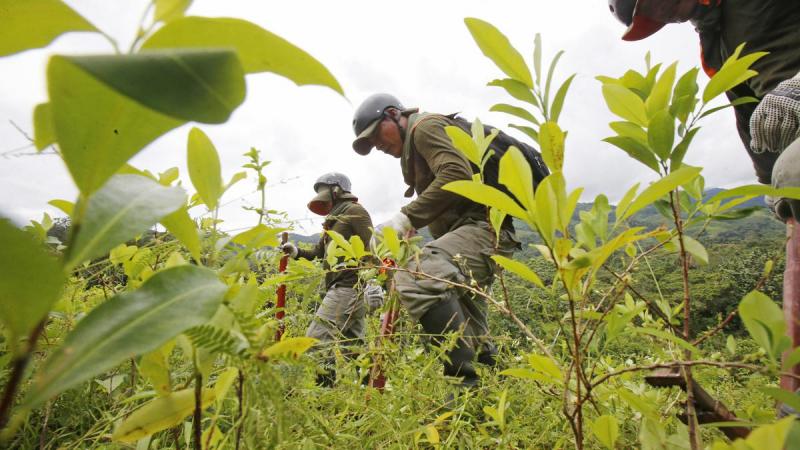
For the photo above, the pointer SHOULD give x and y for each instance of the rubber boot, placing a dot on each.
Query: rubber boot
(446, 317)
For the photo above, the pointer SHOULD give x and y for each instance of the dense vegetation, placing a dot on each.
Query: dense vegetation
(127, 337)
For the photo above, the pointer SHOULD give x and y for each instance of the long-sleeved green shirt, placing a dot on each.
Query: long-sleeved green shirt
(347, 218)
(429, 161)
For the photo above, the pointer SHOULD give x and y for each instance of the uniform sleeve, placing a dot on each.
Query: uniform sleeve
(317, 252)
(446, 163)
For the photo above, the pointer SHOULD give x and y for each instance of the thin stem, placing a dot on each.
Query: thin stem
(239, 419)
(198, 410)
(17, 371)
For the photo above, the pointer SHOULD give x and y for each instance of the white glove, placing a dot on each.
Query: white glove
(290, 249)
(786, 173)
(775, 123)
(399, 222)
(374, 296)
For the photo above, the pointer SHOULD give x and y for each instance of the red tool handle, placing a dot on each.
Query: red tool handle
(280, 305)
(791, 299)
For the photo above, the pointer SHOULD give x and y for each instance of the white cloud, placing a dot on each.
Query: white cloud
(420, 51)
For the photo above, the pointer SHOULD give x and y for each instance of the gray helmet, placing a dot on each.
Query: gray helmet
(366, 118)
(333, 179)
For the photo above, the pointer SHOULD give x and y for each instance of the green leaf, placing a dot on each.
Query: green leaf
(181, 225)
(537, 56)
(341, 242)
(288, 347)
(27, 24)
(606, 429)
(167, 10)
(64, 205)
(730, 344)
(515, 111)
(547, 366)
(558, 100)
(546, 210)
(659, 97)
(258, 236)
(160, 414)
(695, 249)
(770, 437)
(551, 140)
(635, 150)
(676, 158)
(624, 202)
(518, 269)
(661, 134)
(259, 50)
(516, 89)
(495, 46)
(737, 102)
(785, 397)
(792, 359)
(530, 132)
(630, 130)
(669, 337)
(129, 324)
(486, 195)
(550, 72)
(734, 72)
(463, 142)
(126, 206)
(107, 108)
(391, 241)
(154, 367)
(515, 174)
(30, 281)
(43, 132)
(237, 177)
(624, 103)
(661, 188)
(765, 323)
(204, 168)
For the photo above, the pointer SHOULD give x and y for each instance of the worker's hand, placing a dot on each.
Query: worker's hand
(399, 222)
(776, 121)
(786, 173)
(290, 249)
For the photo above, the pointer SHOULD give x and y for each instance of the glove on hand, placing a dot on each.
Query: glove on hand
(290, 249)
(399, 222)
(786, 173)
(776, 121)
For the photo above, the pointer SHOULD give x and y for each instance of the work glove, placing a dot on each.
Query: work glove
(775, 123)
(786, 173)
(400, 222)
(290, 249)
(374, 296)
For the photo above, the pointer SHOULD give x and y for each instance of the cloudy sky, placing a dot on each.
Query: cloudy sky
(420, 51)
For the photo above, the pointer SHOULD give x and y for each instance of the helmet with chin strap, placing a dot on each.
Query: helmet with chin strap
(333, 179)
(645, 17)
(367, 116)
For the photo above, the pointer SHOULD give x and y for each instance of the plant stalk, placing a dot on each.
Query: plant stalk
(17, 371)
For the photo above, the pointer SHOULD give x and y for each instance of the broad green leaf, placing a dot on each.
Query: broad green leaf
(734, 72)
(43, 132)
(635, 150)
(661, 188)
(636, 82)
(487, 195)
(341, 242)
(606, 429)
(154, 367)
(495, 46)
(661, 134)
(516, 89)
(30, 282)
(792, 359)
(767, 437)
(530, 132)
(496, 218)
(237, 177)
(624, 202)
(551, 140)
(765, 322)
(737, 102)
(202, 160)
(630, 130)
(546, 211)
(730, 344)
(783, 396)
(515, 174)
(669, 337)
(515, 111)
(519, 269)
(27, 24)
(659, 97)
(695, 249)
(258, 236)
(160, 414)
(624, 103)
(546, 365)
(259, 50)
(107, 108)
(130, 324)
(676, 158)
(558, 100)
(126, 206)
(168, 176)
(167, 10)
(463, 142)
(224, 382)
(391, 241)
(550, 72)
(755, 190)
(181, 225)
(64, 205)
(288, 347)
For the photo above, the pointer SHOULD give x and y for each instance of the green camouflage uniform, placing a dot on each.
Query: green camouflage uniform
(340, 316)
(463, 239)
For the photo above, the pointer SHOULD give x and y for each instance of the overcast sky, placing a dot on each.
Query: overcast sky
(420, 51)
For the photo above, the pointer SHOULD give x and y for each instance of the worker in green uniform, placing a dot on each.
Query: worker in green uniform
(768, 127)
(341, 315)
(463, 239)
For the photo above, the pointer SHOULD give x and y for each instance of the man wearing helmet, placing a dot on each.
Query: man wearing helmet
(340, 316)
(463, 239)
(766, 25)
